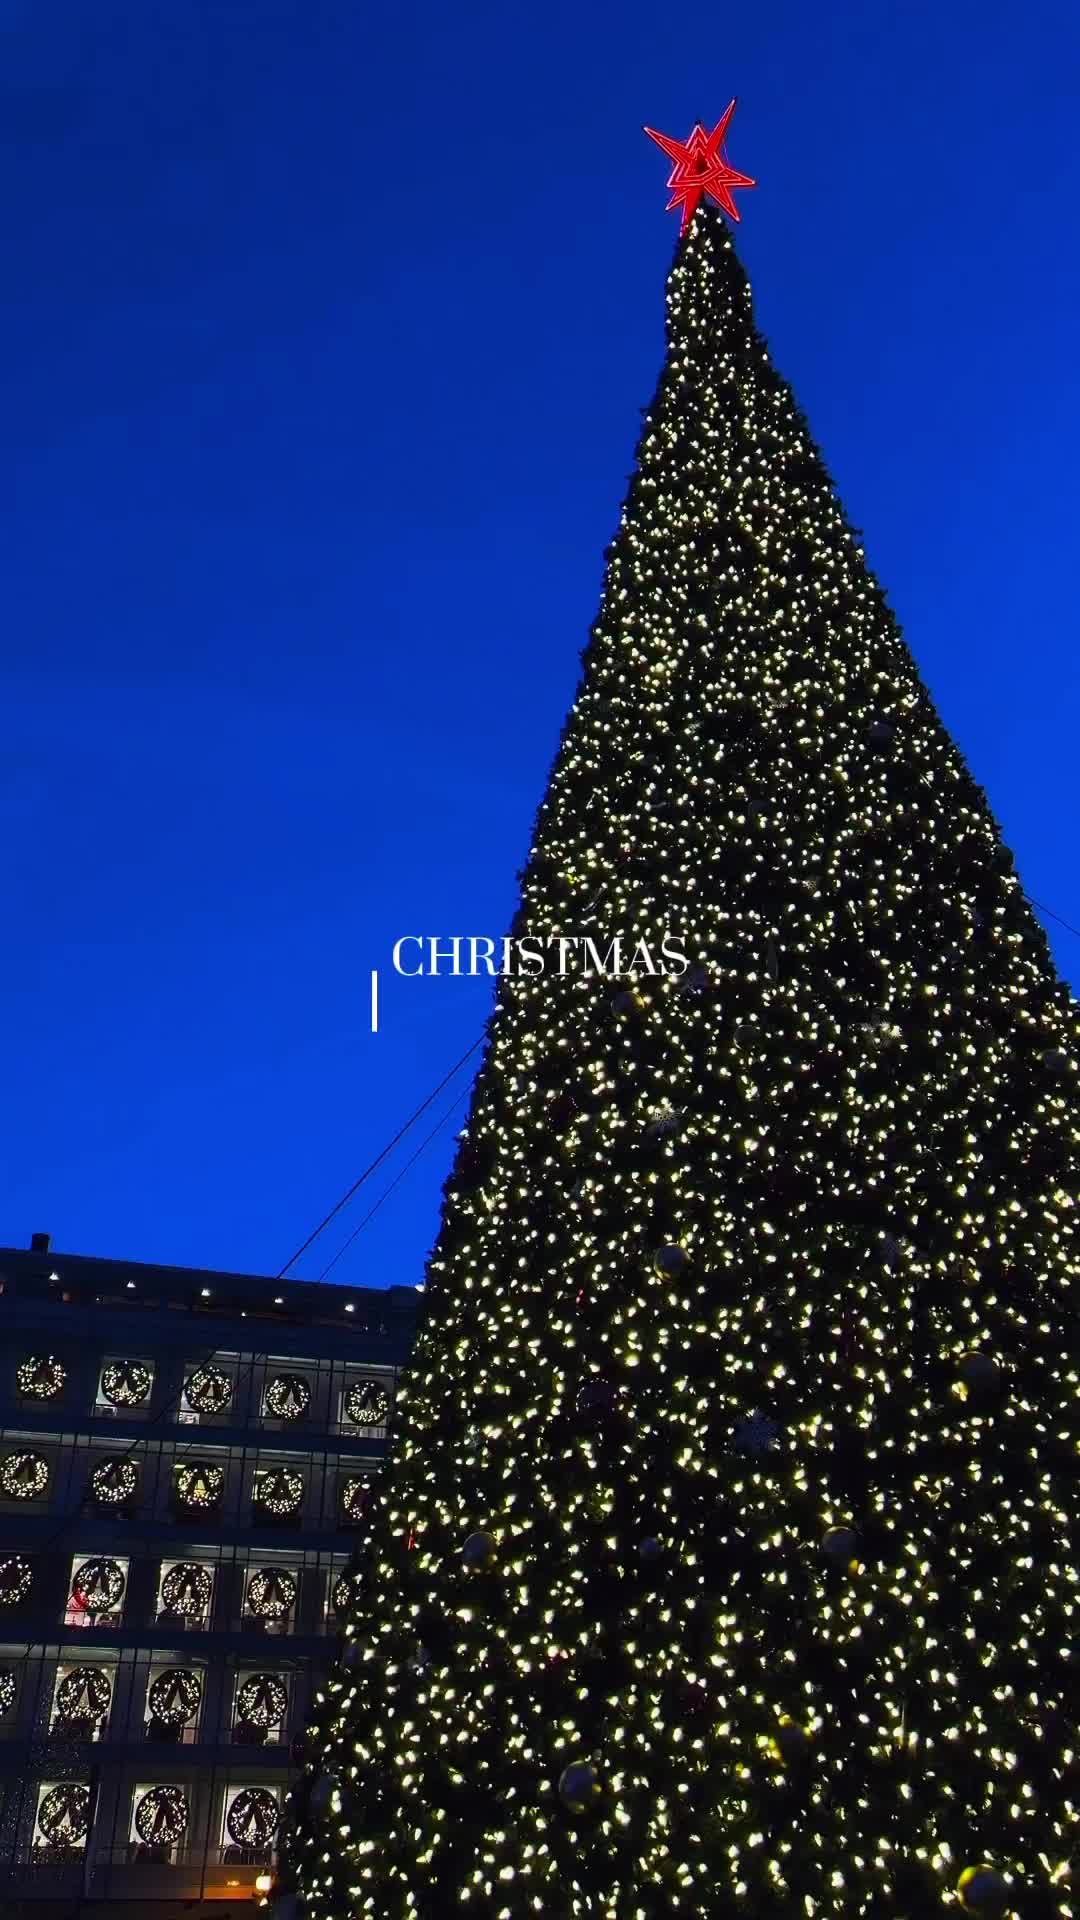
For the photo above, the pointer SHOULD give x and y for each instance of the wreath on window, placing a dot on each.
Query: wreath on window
(186, 1589)
(345, 1593)
(175, 1696)
(8, 1687)
(84, 1694)
(64, 1814)
(367, 1404)
(24, 1476)
(262, 1701)
(287, 1397)
(199, 1485)
(98, 1586)
(126, 1383)
(113, 1481)
(252, 1819)
(161, 1816)
(40, 1376)
(279, 1490)
(16, 1580)
(355, 1494)
(271, 1593)
(208, 1390)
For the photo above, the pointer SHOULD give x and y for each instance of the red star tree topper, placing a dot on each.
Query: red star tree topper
(700, 169)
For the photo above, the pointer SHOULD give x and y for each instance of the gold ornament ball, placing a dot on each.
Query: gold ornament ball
(479, 1551)
(579, 1786)
(982, 1890)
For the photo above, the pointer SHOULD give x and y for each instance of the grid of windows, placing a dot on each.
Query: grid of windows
(178, 1507)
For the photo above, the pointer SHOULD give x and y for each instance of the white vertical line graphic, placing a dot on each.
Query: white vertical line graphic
(374, 1000)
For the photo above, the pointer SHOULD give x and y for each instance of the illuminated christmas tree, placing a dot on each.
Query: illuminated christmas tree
(725, 1559)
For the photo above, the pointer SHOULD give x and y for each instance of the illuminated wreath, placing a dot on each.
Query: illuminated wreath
(7, 1690)
(252, 1819)
(208, 1390)
(98, 1586)
(261, 1701)
(84, 1694)
(161, 1816)
(279, 1490)
(355, 1493)
(113, 1481)
(287, 1397)
(199, 1485)
(367, 1404)
(40, 1376)
(271, 1593)
(344, 1594)
(175, 1696)
(126, 1383)
(24, 1476)
(64, 1814)
(16, 1580)
(186, 1589)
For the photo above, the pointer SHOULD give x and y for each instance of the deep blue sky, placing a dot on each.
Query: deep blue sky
(325, 331)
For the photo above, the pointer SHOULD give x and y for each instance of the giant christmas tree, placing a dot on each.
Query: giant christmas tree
(725, 1561)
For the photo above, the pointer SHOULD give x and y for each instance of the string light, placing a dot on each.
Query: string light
(252, 1819)
(114, 1481)
(175, 1696)
(63, 1816)
(24, 1476)
(367, 1403)
(199, 1485)
(208, 1390)
(126, 1383)
(161, 1816)
(16, 1580)
(262, 1700)
(84, 1693)
(98, 1585)
(271, 1593)
(186, 1590)
(873, 1180)
(40, 1377)
(279, 1490)
(287, 1397)
(355, 1493)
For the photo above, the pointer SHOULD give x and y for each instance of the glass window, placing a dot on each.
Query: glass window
(82, 1698)
(174, 1698)
(160, 1817)
(96, 1590)
(185, 1592)
(208, 1393)
(260, 1708)
(286, 1396)
(364, 1404)
(249, 1824)
(270, 1597)
(61, 1820)
(124, 1386)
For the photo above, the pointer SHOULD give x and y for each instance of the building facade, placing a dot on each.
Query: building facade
(184, 1459)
